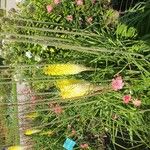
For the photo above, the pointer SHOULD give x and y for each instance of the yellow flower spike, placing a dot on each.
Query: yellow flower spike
(47, 133)
(15, 148)
(31, 131)
(32, 115)
(67, 82)
(64, 69)
(74, 88)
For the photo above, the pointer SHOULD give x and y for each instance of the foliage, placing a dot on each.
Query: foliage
(34, 38)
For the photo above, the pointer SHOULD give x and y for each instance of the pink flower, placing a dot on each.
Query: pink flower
(137, 103)
(84, 146)
(56, 2)
(89, 20)
(79, 2)
(69, 18)
(49, 8)
(57, 109)
(117, 83)
(126, 99)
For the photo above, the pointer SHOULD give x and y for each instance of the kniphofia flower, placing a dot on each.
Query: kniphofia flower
(74, 88)
(31, 131)
(17, 147)
(32, 115)
(64, 69)
(47, 133)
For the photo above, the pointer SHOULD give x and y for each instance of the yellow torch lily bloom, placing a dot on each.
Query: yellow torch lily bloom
(32, 115)
(15, 148)
(64, 69)
(31, 131)
(74, 88)
(48, 133)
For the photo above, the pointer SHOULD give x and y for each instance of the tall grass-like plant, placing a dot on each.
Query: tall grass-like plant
(34, 38)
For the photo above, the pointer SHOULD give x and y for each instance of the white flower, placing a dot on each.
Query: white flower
(29, 54)
(37, 58)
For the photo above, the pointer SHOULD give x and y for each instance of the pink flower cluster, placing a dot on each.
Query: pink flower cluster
(117, 83)
(128, 98)
(69, 18)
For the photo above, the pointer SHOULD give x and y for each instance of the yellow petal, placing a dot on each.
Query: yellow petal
(74, 88)
(15, 148)
(66, 82)
(31, 131)
(64, 69)
(32, 115)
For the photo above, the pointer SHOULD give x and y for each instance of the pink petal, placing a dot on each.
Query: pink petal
(117, 83)
(137, 103)
(126, 99)
(49, 8)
